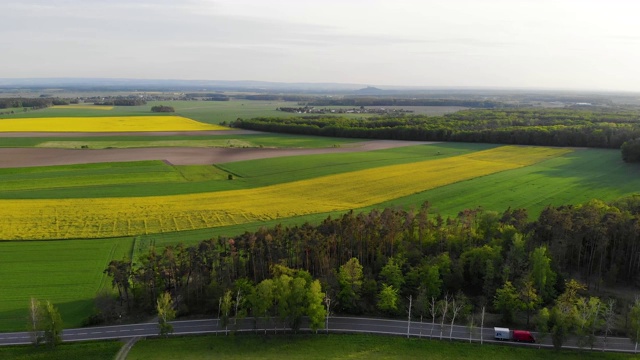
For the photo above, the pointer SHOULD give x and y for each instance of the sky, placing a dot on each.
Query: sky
(550, 44)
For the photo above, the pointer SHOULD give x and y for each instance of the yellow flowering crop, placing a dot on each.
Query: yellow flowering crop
(105, 124)
(111, 217)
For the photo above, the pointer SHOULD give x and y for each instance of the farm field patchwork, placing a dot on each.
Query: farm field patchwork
(213, 112)
(105, 124)
(67, 273)
(112, 217)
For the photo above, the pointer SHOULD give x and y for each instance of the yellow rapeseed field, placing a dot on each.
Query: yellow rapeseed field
(105, 124)
(110, 217)
(83, 107)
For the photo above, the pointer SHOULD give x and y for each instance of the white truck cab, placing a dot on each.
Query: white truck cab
(501, 333)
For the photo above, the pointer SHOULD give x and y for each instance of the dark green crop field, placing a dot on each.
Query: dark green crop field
(102, 350)
(367, 347)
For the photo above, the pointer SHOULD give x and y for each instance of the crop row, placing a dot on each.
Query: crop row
(112, 217)
(105, 124)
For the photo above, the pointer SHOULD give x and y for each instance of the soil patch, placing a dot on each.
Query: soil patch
(26, 157)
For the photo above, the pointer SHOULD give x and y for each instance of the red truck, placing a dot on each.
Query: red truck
(513, 335)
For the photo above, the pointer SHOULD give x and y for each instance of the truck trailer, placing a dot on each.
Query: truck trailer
(504, 334)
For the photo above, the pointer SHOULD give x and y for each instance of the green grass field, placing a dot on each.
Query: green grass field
(99, 350)
(67, 273)
(369, 347)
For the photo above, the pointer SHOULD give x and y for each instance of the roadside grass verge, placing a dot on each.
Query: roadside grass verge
(368, 347)
(67, 273)
(94, 350)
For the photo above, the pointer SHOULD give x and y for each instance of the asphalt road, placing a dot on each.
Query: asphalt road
(336, 325)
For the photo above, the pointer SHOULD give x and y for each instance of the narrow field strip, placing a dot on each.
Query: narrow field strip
(105, 124)
(112, 217)
(83, 107)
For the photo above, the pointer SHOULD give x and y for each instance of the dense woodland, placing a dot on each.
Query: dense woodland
(599, 128)
(162, 108)
(122, 101)
(371, 263)
(32, 103)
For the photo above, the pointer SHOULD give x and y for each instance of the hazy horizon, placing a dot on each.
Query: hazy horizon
(564, 44)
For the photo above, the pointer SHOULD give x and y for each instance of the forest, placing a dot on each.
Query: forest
(598, 128)
(32, 103)
(372, 263)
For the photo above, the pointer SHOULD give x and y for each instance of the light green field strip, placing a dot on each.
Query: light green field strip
(112, 217)
(105, 124)
(219, 143)
(83, 107)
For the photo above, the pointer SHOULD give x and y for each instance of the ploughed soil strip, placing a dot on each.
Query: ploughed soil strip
(26, 157)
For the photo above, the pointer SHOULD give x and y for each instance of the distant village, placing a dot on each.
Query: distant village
(359, 110)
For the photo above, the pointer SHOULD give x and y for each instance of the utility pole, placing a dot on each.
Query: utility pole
(409, 321)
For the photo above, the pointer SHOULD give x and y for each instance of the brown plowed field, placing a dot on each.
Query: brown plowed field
(24, 157)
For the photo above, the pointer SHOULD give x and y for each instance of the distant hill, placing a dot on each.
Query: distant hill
(370, 90)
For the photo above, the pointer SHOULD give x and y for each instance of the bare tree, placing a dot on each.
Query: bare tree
(35, 319)
(455, 308)
(238, 299)
(433, 311)
(409, 319)
(609, 318)
(445, 308)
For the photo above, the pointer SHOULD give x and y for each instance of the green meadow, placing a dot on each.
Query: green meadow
(67, 273)
(369, 347)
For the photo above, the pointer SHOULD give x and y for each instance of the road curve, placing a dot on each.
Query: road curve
(336, 325)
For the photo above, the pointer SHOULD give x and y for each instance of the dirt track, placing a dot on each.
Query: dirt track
(25, 157)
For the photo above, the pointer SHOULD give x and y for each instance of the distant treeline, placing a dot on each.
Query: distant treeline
(357, 101)
(33, 103)
(121, 102)
(362, 258)
(374, 101)
(207, 96)
(274, 97)
(544, 127)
